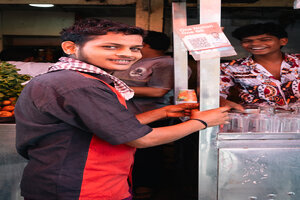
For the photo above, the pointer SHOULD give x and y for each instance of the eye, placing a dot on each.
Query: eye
(266, 39)
(135, 49)
(110, 47)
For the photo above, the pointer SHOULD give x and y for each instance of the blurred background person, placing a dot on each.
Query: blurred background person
(152, 79)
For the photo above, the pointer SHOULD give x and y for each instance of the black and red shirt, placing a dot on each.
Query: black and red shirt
(69, 127)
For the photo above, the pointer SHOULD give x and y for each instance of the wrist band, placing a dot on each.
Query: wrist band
(203, 122)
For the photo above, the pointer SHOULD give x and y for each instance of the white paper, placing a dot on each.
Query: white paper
(205, 41)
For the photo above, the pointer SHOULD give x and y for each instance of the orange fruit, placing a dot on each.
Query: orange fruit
(8, 108)
(13, 98)
(6, 102)
(5, 114)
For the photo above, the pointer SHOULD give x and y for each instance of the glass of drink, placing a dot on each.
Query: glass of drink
(288, 123)
(186, 96)
(235, 124)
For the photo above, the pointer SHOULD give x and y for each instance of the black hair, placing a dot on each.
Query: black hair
(157, 40)
(85, 29)
(269, 28)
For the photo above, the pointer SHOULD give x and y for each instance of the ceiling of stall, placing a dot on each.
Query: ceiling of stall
(243, 3)
(88, 10)
(125, 8)
(250, 3)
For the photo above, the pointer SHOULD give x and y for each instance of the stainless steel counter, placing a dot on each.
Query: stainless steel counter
(11, 164)
(260, 166)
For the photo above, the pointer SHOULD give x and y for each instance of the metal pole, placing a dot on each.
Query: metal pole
(208, 83)
(180, 52)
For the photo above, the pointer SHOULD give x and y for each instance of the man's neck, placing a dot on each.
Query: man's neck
(276, 57)
(272, 63)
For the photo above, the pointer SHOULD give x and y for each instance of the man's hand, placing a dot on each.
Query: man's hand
(212, 117)
(231, 104)
(180, 110)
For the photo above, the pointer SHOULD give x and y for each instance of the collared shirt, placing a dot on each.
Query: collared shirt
(57, 115)
(256, 85)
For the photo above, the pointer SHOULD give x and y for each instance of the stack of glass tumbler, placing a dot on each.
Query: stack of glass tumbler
(263, 120)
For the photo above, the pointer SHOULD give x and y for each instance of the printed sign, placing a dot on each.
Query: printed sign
(205, 41)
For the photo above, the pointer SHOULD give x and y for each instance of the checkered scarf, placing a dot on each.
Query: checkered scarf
(77, 65)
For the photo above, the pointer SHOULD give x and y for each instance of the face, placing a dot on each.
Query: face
(113, 51)
(263, 44)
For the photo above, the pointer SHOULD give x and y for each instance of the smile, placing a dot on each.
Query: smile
(121, 61)
(258, 48)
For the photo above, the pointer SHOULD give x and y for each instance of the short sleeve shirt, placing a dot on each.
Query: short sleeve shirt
(65, 101)
(57, 116)
(255, 85)
(155, 72)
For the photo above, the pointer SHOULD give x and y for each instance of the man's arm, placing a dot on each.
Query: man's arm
(168, 134)
(149, 91)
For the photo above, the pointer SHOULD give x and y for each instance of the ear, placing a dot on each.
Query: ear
(68, 47)
(283, 41)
